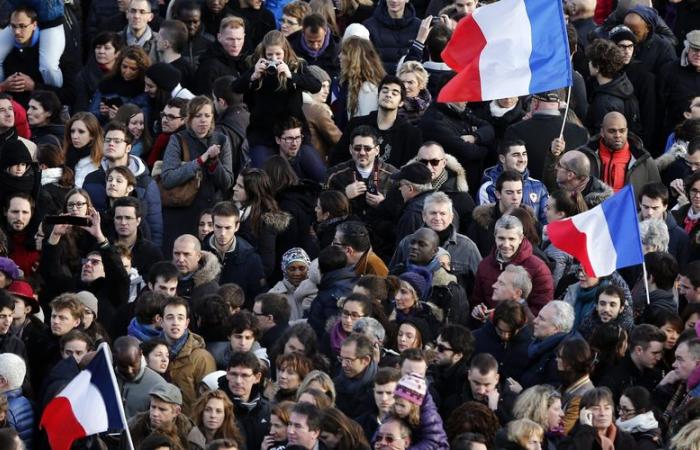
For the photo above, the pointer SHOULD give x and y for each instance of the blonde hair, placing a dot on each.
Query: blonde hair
(417, 69)
(321, 378)
(231, 22)
(520, 431)
(297, 9)
(361, 63)
(276, 38)
(413, 418)
(534, 403)
(688, 438)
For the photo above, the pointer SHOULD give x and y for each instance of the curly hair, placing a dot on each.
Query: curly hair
(297, 9)
(136, 54)
(605, 56)
(472, 417)
(534, 403)
(360, 63)
(229, 429)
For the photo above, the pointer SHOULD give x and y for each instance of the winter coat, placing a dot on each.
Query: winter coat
(592, 321)
(334, 285)
(253, 416)
(326, 60)
(625, 374)
(482, 227)
(203, 281)
(680, 215)
(188, 367)
(241, 265)
(676, 84)
(535, 193)
(135, 393)
(490, 268)
(585, 437)
(127, 91)
(264, 241)
(563, 262)
(577, 298)
(324, 132)
(644, 84)
(654, 52)
(392, 37)
(641, 169)
(183, 432)
(512, 355)
(542, 364)
(340, 176)
(679, 242)
(233, 122)
(446, 380)
(617, 95)
(299, 202)
(444, 125)
(146, 190)
(83, 167)
(500, 123)
(430, 433)
(20, 416)
(411, 217)
(354, 396)
(48, 134)
(215, 63)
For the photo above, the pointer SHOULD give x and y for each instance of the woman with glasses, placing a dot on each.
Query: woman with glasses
(83, 145)
(688, 216)
(636, 416)
(353, 308)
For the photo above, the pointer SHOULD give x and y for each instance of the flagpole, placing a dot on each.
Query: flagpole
(566, 112)
(646, 282)
(120, 406)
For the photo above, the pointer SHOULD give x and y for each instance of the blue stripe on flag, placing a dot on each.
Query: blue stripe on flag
(549, 61)
(621, 214)
(102, 380)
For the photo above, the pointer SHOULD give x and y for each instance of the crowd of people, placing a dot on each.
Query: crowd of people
(288, 243)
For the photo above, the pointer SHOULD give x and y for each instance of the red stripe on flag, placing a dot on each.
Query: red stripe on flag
(462, 54)
(566, 237)
(61, 425)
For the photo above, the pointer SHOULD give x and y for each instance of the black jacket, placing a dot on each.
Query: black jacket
(327, 60)
(644, 83)
(617, 95)
(392, 37)
(585, 437)
(299, 201)
(412, 216)
(215, 63)
(253, 417)
(445, 381)
(511, 356)
(626, 374)
(233, 122)
(676, 86)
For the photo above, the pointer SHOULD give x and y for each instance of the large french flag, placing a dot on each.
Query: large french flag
(604, 238)
(507, 49)
(89, 404)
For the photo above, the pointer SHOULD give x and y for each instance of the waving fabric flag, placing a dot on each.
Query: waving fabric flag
(604, 238)
(507, 49)
(89, 404)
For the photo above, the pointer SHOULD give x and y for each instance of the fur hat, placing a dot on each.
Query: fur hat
(421, 281)
(412, 387)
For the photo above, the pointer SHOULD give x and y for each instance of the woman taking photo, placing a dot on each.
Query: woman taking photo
(273, 92)
(83, 144)
(213, 415)
(197, 152)
(44, 117)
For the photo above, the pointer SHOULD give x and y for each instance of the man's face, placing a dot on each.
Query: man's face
(19, 213)
(298, 432)
(544, 325)
(687, 290)
(608, 307)
(465, 6)
(167, 287)
(694, 57)
(175, 321)
(419, 367)
(503, 289)
(243, 341)
(384, 396)
(515, 159)
(6, 316)
(62, 321)
(92, 268)
(115, 146)
(652, 208)
(225, 230)
(627, 48)
(241, 381)
(352, 365)
(446, 355)
(22, 27)
(396, 7)
(638, 26)
(482, 384)
(508, 242)
(290, 142)
(614, 132)
(22, 309)
(438, 216)
(128, 362)
(185, 256)
(314, 40)
(434, 158)
(421, 249)
(564, 175)
(75, 349)
(265, 321)
(192, 18)
(162, 414)
(139, 14)
(650, 356)
(684, 363)
(390, 94)
(511, 195)
(125, 221)
(231, 39)
(216, 6)
(171, 119)
(7, 114)
(389, 437)
(364, 151)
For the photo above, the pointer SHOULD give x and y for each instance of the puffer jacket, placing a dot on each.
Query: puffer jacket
(430, 433)
(334, 285)
(392, 37)
(535, 193)
(490, 268)
(188, 367)
(20, 416)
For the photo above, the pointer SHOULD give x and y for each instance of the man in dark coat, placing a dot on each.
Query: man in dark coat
(226, 56)
(415, 185)
(679, 81)
(233, 120)
(199, 270)
(653, 204)
(448, 372)
(354, 385)
(127, 216)
(391, 30)
(315, 43)
(272, 311)
(189, 12)
(652, 49)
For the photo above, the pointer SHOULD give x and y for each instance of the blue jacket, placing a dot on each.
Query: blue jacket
(535, 193)
(542, 364)
(334, 285)
(392, 37)
(430, 434)
(20, 416)
(46, 10)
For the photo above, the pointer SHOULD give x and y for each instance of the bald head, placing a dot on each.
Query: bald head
(581, 9)
(187, 252)
(188, 239)
(614, 130)
(124, 343)
(577, 162)
(127, 357)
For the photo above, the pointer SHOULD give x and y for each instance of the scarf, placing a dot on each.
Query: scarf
(444, 235)
(352, 386)
(638, 424)
(176, 346)
(131, 38)
(51, 175)
(337, 335)
(537, 347)
(142, 332)
(73, 155)
(440, 180)
(419, 103)
(691, 219)
(10, 184)
(614, 163)
(316, 53)
(497, 111)
(607, 440)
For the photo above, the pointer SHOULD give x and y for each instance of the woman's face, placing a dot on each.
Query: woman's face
(278, 429)
(351, 313)
(586, 281)
(202, 121)
(294, 345)
(239, 195)
(79, 134)
(206, 226)
(36, 114)
(626, 408)
(602, 415)
(307, 398)
(297, 272)
(551, 210)
(274, 53)
(410, 82)
(213, 414)
(555, 415)
(407, 337)
(136, 126)
(149, 87)
(671, 336)
(534, 443)
(77, 205)
(288, 379)
(129, 69)
(117, 185)
(88, 317)
(289, 25)
(507, 102)
(320, 214)
(105, 54)
(330, 440)
(692, 319)
(159, 358)
(405, 298)
(322, 95)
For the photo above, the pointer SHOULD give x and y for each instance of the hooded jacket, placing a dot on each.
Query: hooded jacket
(617, 95)
(535, 193)
(188, 367)
(392, 37)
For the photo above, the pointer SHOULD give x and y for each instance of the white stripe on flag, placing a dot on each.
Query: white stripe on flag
(601, 251)
(84, 398)
(505, 61)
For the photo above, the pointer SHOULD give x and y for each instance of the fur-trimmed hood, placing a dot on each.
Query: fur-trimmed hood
(277, 221)
(485, 215)
(455, 170)
(209, 269)
(441, 277)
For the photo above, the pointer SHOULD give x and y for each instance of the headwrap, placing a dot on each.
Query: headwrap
(295, 254)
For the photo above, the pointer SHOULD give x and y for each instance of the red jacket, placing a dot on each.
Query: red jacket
(489, 270)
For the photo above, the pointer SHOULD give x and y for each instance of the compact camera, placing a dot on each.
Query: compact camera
(271, 67)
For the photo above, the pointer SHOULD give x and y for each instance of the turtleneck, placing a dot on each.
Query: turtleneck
(445, 234)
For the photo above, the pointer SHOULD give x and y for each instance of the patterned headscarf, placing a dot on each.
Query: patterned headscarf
(294, 254)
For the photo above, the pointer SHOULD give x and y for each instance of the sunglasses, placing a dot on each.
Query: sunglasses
(443, 348)
(433, 162)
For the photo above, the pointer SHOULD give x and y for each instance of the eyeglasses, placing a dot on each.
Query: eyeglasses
(114, 140)
(626, 46)
(694, 192)
(21, 26)
(443, 348)
(433, 162)
(291, 139)
(353, 315)
(389, 439)
(342, 360)
(169, 116)
(75, 205)
(625, 411)
(91, 261)
(365, 148)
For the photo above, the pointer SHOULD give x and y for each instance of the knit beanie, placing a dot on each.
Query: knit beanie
(88, 300)
(412, 387)
(9, 268)
(294, 254)
(14, 152)
(622, 33)
(421, 281)
(164, 75)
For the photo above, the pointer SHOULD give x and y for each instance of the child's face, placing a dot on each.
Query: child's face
(402, 407)
(18, 169)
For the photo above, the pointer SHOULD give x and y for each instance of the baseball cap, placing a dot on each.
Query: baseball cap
(415, 173)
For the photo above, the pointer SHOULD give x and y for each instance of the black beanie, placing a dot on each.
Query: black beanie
(164, 75)
(14, 152)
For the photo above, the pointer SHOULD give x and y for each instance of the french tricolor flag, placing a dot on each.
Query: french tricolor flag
(604, 238)
(89, 404)
(507, 49)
